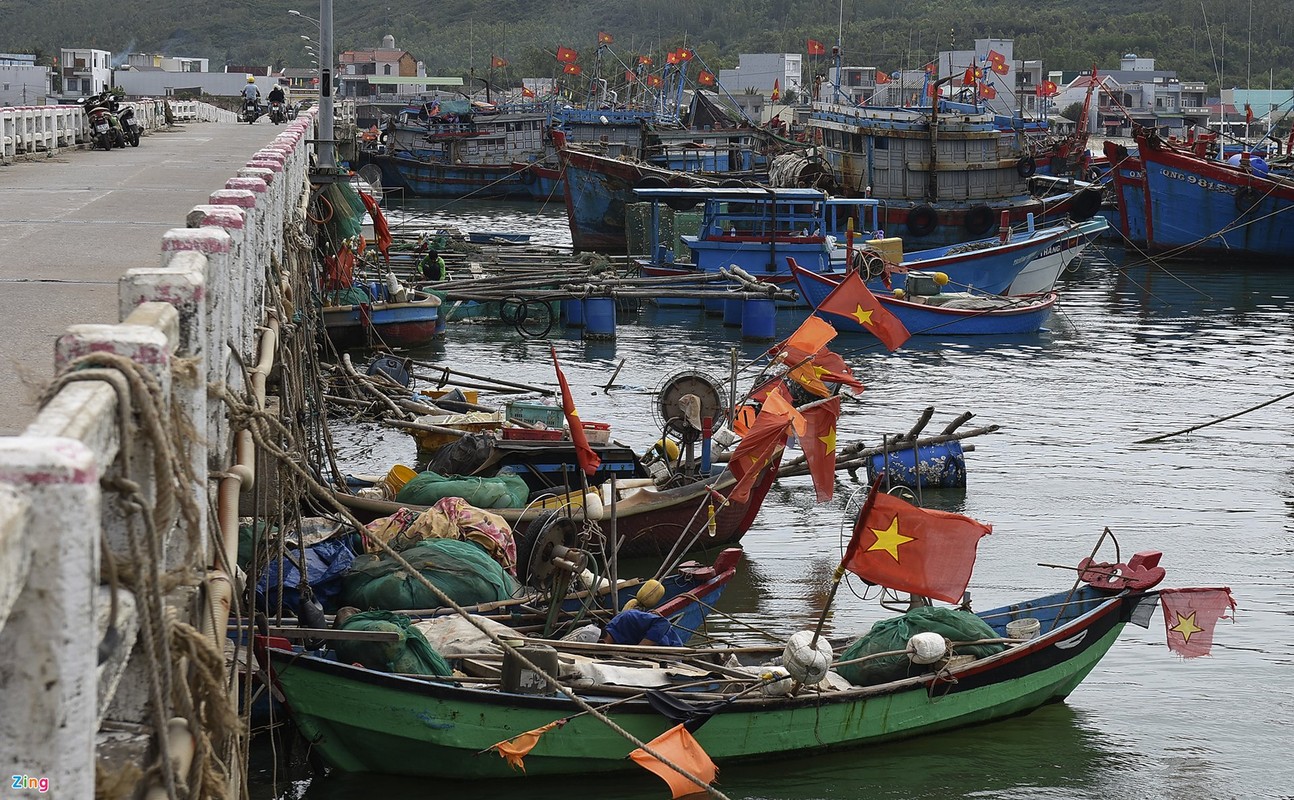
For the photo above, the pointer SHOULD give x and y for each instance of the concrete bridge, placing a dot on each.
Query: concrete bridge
(133, 280)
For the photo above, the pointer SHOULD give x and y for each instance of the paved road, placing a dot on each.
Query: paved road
(72, 224)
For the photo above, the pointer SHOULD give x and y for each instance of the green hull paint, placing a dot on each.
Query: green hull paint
(360, 726)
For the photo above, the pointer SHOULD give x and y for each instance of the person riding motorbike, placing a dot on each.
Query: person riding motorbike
(251, 99)
(278, 105)
(276, 95)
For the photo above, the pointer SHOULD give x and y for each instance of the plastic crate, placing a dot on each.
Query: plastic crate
(597, 432)
(532, 434)
(551, 416)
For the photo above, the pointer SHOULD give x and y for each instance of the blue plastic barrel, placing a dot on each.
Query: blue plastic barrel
(758, 319)
(732, 313)
(714, 308)
(441, 324)
(599, 318)
(943, 466)
(573, 313)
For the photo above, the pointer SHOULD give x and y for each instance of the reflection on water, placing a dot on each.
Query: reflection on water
(1131, 354)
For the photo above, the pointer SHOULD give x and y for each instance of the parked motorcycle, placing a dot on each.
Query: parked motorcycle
(251, 111)
(105, 127)
(278, 114)
(130, 127)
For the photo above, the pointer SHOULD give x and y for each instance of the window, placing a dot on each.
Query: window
(386, 70)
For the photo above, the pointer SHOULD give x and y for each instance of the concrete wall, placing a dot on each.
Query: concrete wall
(25, 130)
(24, 85)
(74, 698)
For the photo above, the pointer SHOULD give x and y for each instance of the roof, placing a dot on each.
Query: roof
(405, 80)
(375, 54)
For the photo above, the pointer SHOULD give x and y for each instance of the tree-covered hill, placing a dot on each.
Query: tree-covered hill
(455, 35)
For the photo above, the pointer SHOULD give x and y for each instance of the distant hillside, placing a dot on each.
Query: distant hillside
(1066, 34)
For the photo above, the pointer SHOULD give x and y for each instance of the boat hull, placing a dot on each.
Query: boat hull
(391, 324)
(597, 191)
(420, 178)
(361, 721)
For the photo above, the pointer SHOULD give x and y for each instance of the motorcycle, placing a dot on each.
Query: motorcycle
(277, 113)
(251, 111)
(105, 127)
(131, 129)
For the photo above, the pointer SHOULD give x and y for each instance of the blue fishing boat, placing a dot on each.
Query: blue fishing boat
(936, 313)
(382, 323)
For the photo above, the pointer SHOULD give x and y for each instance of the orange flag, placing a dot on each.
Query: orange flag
(852, 299)
(498, 62)
(584, 454)
(812, 335)
(605, 38)
(914, 550)
(681, 748)
(380, 227)
(518, 747)
(755, 451)
(572, 69)
(819, 445)
(527, 91)
(778, 401)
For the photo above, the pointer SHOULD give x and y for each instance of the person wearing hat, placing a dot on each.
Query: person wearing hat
(251, 91)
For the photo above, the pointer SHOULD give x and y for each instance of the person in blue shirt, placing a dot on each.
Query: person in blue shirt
(641, 627)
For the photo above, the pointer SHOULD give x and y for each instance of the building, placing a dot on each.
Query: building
(144, 61)
(759, 71)
(86, 72)
(998, 84)
(365, 73)
(1137, 94)
(22, 81)
(300, 83)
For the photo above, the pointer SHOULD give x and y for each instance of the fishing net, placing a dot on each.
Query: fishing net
(505, 490)
(411, 653)
(460, 569)
(893, 634)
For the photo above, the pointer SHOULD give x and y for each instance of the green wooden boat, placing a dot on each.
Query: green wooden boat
(364, 721)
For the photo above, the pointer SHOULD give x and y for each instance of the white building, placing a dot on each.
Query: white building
(86, 72)
(998, 83)
(143, 61)
(760, 70)
(22, 81)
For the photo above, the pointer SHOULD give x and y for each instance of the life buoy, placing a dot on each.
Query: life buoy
(527, 176)
(922, 221)
(1085, 204)
(978, 220)
(1026, 167)
(1247, 198)
(384, 138)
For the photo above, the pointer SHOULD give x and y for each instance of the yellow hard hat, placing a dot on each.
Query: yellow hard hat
(251, 79)
(668, 448)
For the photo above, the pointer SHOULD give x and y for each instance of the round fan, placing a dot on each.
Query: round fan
(674, 407)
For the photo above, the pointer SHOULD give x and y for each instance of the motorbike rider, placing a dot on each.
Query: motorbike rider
(252, 92)
(276, 95)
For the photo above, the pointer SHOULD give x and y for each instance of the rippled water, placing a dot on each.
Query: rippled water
(1135, 350)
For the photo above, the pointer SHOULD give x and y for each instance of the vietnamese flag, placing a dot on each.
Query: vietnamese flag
(835, 370)
(968, 77)
(605, 38)
(572, 69)
(812, 335)
(777, 90)
(755, 452)
(672, 57)
(705, 78)
(1050, 89)
(567, 55)
(819, 445)
(1190, 615)
(684, 54)
(654, 81)
(998, 62)
(680, 748)
(526, 91)
(645, 61)
(778, 401)
(380, 227)
(987, 92)
(882, 78)
(852, 299)
(497, 62)
(914, 550)
(816, 48)
(588, 460)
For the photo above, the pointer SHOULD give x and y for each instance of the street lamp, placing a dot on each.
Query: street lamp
(327, 159)
(296, 13)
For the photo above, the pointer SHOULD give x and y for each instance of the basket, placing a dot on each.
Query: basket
(467, 423)
(526, 411)
(597, 432)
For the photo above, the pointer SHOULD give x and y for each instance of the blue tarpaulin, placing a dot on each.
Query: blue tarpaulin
(326, 562)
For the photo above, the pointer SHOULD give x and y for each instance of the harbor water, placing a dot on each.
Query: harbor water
(1134, 349)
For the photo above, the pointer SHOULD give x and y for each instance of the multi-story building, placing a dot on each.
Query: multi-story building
(166, 63)
(365, 73)
(760, 71)
(1137, 94)
(86, 71)
(22, 81)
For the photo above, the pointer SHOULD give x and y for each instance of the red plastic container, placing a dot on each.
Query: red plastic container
(532, 434)
(597, 432)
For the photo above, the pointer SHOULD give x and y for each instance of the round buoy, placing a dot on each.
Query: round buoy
(940, 278)
(927, 648)
(808, 665)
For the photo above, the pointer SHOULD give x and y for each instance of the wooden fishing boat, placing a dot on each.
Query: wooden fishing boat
(649, 521)
(364, 721)
(408, 324)
(941, 314)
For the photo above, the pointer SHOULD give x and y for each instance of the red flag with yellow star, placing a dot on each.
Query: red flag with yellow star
(852, 300)
(915, 550)
(1190, 615)
(808, 339)
(819, 445)
(755, 451)
(778, 401)
(588, 460)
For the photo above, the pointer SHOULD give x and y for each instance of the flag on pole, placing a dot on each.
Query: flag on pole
(518, 747)
(380, 226)
(1049, 88)
(755, 451)
(998, 63)
(684, 54)
(605, 38)
(526, 91)
(778, 401)
(1249, 115)
(777, 90)
(572, 69)
(882, 78)
(498, 63)
(567, 55)
(705, 78)
(819, 445)
(1190, 615)
(588, 460)
(853, 300)
(968, 77)
(672, 57)
(812, 335)
(682, 749)
(655, 81)
(987, 92)
(915, 550)
(816, 48)
(645, 61)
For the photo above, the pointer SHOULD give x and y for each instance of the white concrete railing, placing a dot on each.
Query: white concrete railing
(32, 129)
(60, 704)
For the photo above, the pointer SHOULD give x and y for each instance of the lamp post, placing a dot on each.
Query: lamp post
(327, 157)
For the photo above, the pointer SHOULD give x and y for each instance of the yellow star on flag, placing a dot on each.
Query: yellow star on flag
(1186, 626)
(819, 371)
(889, 539)
(756, 462)
(573, 413)
(829, 440)
(863, 317)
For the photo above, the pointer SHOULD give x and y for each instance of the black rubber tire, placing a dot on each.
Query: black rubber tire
(681, 203)
(1026, 167)
(651, 182)
(134, 139)
(513, 310)
(978, 220)
(922, 221)
(1085, 204)
(530, 325)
